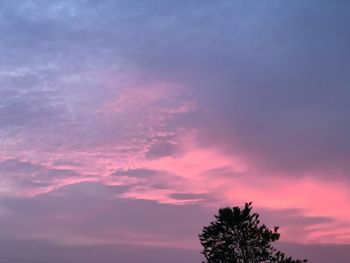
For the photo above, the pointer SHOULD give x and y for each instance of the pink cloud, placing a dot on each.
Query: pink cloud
(144, 116)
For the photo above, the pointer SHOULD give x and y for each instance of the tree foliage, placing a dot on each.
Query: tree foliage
(236, 236)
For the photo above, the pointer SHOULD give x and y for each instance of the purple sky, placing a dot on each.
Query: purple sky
(125, 125)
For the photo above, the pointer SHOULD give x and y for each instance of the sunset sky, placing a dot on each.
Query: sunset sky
(125, 125)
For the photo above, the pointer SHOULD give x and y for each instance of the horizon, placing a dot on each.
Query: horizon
(126, 125)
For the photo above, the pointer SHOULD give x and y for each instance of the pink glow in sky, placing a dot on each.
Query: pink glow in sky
(124, 126)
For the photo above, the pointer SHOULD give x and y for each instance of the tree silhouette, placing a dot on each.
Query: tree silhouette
(236, 236)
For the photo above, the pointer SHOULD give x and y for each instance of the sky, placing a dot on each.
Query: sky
(126, 125)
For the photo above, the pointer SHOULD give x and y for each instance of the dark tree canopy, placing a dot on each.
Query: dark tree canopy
(236, 236)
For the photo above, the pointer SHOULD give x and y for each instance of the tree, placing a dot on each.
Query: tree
(236, 236)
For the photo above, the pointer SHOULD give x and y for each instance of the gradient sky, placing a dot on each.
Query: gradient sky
(125, 125)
